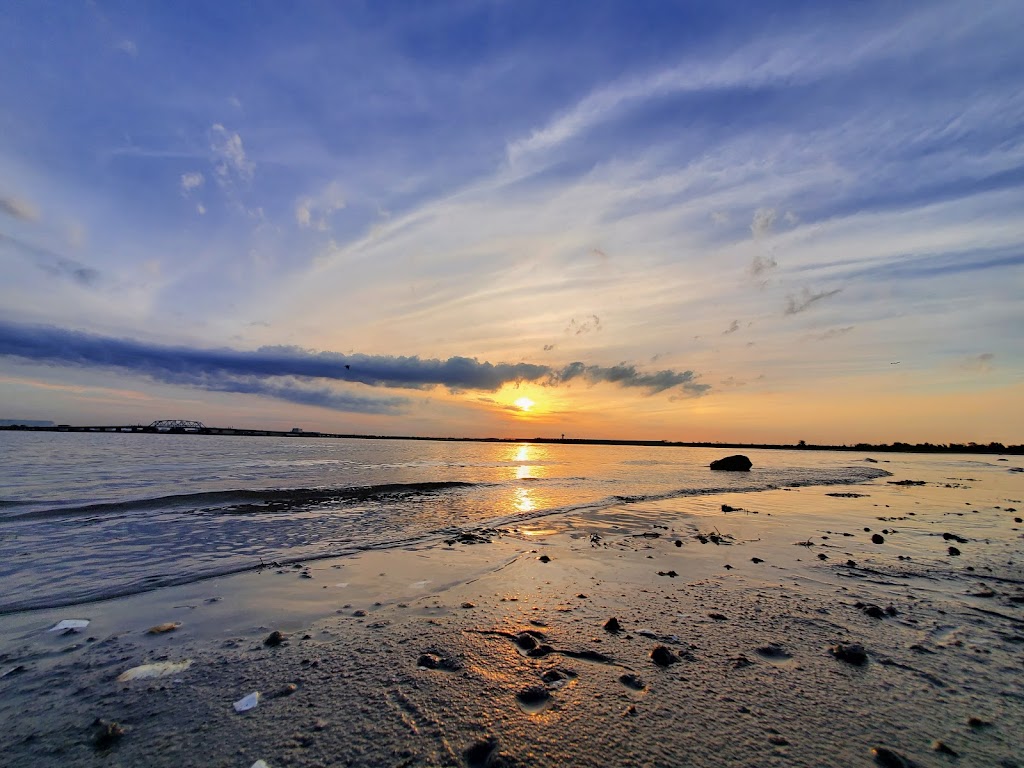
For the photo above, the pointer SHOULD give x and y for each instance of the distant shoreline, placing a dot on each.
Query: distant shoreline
(898, 447)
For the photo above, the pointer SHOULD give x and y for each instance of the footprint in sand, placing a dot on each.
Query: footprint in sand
(534, 699)
(774, 652)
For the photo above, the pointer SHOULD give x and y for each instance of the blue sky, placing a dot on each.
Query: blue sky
(805, 217)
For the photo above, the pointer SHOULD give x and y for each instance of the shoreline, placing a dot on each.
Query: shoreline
(967, 449)
(420, 658)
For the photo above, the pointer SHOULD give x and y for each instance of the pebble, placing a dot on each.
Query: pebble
(889, 759)
(274, 639)
(544, 559)
(612, 625)
(851, 654)
(663, 657)
(939, 746)
(877, 539)
(954, 552)
(108, 733)
(756, 560)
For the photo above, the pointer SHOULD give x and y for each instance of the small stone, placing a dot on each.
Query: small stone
(274, 639)
(778, 741)
(889, 759)
(108, 733)
(718, 616)
(822, 556)
(851, 654)
(954, 552)
(467, 605)
(756, 560)
(679, 543)
(160, 629)
(544, 559)
(877, 539)
(359, 613)
(977, 722)
(851, 564)
(663, 657)
(612, 625)
(874, 611)
(939, 746)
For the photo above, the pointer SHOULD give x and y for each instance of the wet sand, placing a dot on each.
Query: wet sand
(496, 652)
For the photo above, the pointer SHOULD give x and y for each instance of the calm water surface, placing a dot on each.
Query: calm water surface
(85, 516)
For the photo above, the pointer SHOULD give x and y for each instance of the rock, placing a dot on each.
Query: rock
(679, 543)
(756, 560)
(878, 539)
(737, 463)
(851, 654)
(107, 734)
(359, 613)
(873, 611)
(727, 508)
(663, 657)
(274, 639)
(977, 722)
(468, 605)
(822, 556)
(718, 616)
(954, 552)
(612, 625)
(889, 759)
(670, 574)
(940, 747)
(544, 559)
(160, 629)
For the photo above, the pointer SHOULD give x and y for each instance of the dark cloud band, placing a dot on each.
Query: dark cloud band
(288, 373)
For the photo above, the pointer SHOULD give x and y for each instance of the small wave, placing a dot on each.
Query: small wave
(241, 500)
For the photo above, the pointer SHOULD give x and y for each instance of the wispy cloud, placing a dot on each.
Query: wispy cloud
(230, 163)
(315, 211)
(805, 299)
(190, 181)
(19, 209)
(54, 264)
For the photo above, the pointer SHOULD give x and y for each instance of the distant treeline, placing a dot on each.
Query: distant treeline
(896, 447)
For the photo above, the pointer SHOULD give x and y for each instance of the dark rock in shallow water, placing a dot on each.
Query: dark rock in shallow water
(737, 463)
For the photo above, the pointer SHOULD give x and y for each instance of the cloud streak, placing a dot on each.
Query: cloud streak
(299, 375)
(800, 303)
(19, 209)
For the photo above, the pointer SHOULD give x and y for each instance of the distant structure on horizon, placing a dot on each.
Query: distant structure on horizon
(166, 425)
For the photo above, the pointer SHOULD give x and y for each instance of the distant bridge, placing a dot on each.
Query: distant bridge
(165, 424)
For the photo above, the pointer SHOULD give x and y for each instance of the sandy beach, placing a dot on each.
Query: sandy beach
(764, 629)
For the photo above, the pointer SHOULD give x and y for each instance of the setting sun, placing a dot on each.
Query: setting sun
(524, 403)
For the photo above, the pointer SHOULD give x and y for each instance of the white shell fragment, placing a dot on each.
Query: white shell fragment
(159, 669)
(70, 624)
(249, 702)
(260, 764)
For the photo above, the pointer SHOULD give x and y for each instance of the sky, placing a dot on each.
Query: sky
(654, 220)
